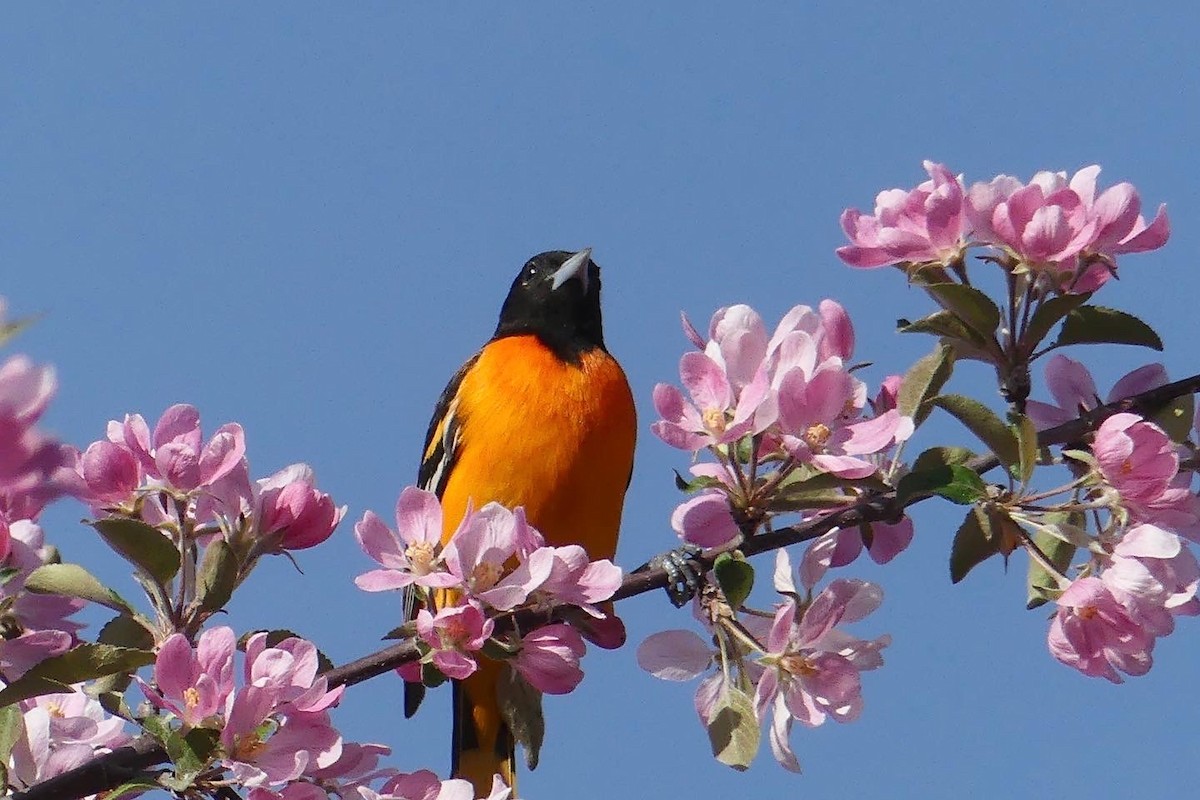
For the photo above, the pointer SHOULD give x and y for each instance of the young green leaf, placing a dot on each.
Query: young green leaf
(733, 729)
(521, 709)
(973, 544)
(956, 483)
(72, 580)
(141, 545)
(1041, 584)
(82, 663)
(940, 323)
(1100, 325)
(1047, 316)
(1176, 418)
(1027, 444)
(217, 576)
(922, 383)
(984, 423)
(735, 576)
(12, 725)
(973, 307)
(941, 457)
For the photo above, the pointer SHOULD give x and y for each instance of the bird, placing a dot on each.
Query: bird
(541, 417)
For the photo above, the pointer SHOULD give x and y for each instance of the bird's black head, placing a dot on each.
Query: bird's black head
(556, 297)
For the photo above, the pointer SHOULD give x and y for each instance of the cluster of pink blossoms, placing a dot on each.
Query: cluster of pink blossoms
(804, 668)
(173, 479)
(36, 625)
(1141, 574)
(1052, 224)
(793, 395)
(476, 563)
(275, 732)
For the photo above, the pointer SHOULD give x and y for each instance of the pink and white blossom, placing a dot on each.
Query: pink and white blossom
(1074, 391)
(1094, 633)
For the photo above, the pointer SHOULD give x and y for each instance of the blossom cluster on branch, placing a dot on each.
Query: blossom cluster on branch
(782, 429)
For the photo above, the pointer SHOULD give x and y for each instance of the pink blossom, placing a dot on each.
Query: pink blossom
(300, 790)
(1074, 391)
(109, 474)
(292, 510)
(61, 732)
(412, 556)
(549, 658)
(812, 668)
(40, 624)
(28, 457)
(1136, 457)
(193, 685)
(452, 634)
(921, 224)
(1063, 223)
(675, 655)
(258, 753)
(177, 453)
(290, 671)
(717, 412)
(704, 519)
(818, 408)
(1155, 576)
(479, 552)
(357, 766)
(576, 579)
(425, 785)
(841, 546)
(1094, 633)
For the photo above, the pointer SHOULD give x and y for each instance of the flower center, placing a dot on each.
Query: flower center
(714, 420)
(797, 664)
(1126, 466)
(817, 435)
(1087, 612)
(191, 697)
(420, 557)
(485, 575)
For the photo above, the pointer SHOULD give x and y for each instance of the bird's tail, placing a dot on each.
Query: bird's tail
(483, 744)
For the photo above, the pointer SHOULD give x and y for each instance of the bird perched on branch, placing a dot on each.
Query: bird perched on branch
(541, 417)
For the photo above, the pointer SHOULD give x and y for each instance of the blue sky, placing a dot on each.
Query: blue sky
(303, 218)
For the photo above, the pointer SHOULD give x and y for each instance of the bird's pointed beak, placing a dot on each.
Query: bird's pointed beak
(574, 267)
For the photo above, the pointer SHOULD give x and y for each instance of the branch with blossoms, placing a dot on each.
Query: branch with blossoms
(798, 449)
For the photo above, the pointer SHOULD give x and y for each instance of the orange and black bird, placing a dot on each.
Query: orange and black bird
(541, 417)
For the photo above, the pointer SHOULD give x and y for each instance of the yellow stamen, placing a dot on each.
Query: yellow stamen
(420, 557)
(485, 576)
(817, 435)
(714, 420)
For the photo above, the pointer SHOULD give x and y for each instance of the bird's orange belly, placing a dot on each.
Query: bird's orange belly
(552, 437)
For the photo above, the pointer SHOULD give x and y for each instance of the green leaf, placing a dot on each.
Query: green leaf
(190, 753)
(984, 423)
(1099, 325)
(12, 725)
(126, 631)
(217, 576)
(137, 785)
(985, 531)
(1027, 448)
(941, 457)
(141, 545)
(1047, 316)
(922, 383)
(940, 323)
(735, 576)
(695, 484)
(733, 729)
(973, 544)
(72, 580)
(521, 709)
(974, 308)
(82, 663)
(954, 482)
(1041, 584)
(1176, 418)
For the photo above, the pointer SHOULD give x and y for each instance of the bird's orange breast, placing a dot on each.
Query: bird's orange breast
(553, 437)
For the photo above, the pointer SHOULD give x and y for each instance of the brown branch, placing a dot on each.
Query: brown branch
(122, 764)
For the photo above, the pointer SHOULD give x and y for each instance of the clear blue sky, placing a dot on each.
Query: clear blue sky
(303, 218)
